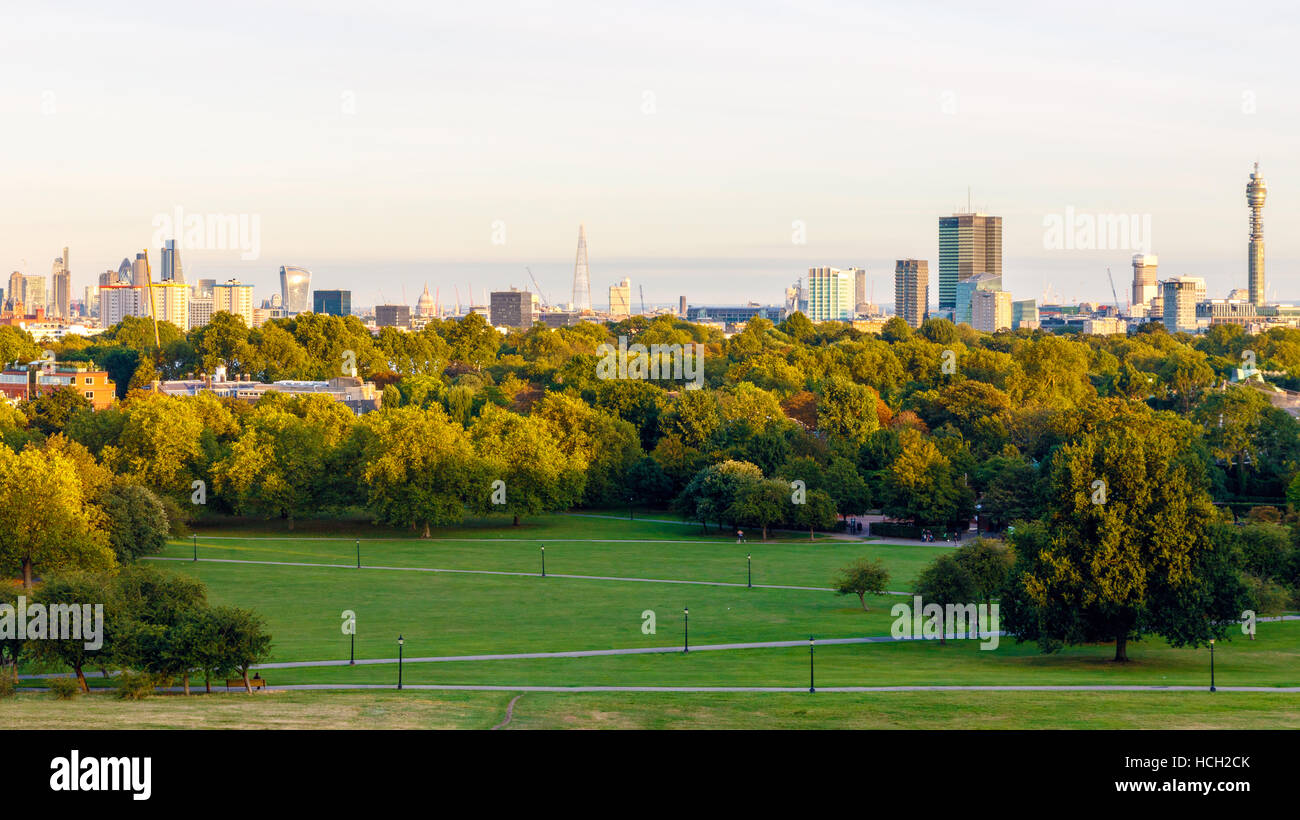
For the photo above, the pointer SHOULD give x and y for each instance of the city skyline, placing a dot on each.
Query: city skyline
(692, 157)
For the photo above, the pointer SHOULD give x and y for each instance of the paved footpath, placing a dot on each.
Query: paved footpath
(499, 572)
(725, 689)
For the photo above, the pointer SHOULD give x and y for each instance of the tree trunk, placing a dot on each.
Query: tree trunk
(516, 521)
(27, 574)
(810, 534)
(207, 681)
(81, 678)
(248, 687)
(1121, 648)
(862, 599)
(290, 521)
(426, 530)
(764, 532)
(185, 681)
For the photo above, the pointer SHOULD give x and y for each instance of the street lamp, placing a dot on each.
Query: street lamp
(543, 560)
(400, 643)
(1212, 664)
(812, 669)
(196, 546)
(358, 553)
(749, 571)
(686, 614)
(631, 516)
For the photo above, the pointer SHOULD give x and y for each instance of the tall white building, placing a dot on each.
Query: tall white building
(990, 310)
(831, 294)
(1180, 297)
(234, 297)
(171, 303)
(620, 298)
(1144, 278)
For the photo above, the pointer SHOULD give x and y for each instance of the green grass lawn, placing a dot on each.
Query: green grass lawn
(539, 710)
(443, 614)
(574, 545)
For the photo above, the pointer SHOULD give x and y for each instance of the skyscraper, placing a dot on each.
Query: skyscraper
(1144, 278)
(912, 290)
(61, 285)
(1256, 191)
(295, 289)
(620, 298)
(859, 287)
(125, 273)
(968, 244)
(171, 263)
(581, 275)
(830, 294)
(233, 297)
(1180, 297)
(332, 302)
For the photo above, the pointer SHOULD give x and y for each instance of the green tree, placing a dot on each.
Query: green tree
(863, 577)
(136, 521)
(760, 504)
(48, 525)
(946, 582)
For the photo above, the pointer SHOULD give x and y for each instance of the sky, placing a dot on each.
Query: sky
(712, 150)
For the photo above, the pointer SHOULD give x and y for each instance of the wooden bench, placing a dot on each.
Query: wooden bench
(255, 683)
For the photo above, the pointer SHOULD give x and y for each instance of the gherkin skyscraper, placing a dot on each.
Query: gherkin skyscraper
(581, 275)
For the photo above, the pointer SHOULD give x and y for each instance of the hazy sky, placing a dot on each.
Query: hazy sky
(386, 144)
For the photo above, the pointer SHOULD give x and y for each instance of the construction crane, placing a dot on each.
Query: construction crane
(642, 299)
(148, 283)
(1113, 294)
(545, 302)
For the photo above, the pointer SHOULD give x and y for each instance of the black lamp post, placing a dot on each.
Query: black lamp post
(400, 642)
(358, 553)
(352, 652)
(749, 571)
(196, 546)
(543, 560)
(812, 668)
(630, 514)
(686, 614)
(1212, 665)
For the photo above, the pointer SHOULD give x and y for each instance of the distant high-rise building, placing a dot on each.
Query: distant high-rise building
(1024, 313)
(1181, 295)
(332, 302)
(859, 286)
(969, 244)
(581, 275)
(295, 289)
(681, 306)
(966, 292)
(204, 288)
(61, 285)
(912, 290)
(140, 269)
(511, 308)
(200, 310)
(1144, 278)
(830, 295)
(125, 273)
(1256, 191)
(392, 315)
(171, 263)
(234, 297)
(32, 294)
(620, 298)
(991, 310)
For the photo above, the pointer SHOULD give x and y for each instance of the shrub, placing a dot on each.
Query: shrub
(64, 688)
(7, 687)
(134, 686)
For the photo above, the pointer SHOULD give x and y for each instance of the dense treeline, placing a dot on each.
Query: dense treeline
(926, 425)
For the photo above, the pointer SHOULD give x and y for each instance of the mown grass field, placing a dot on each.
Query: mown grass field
(544, 710)
(472, 613)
